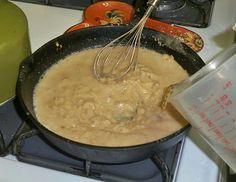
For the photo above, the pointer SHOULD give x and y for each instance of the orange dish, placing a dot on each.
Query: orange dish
(117, 13)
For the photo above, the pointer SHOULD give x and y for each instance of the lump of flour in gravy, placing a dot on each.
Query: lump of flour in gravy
(69, 101)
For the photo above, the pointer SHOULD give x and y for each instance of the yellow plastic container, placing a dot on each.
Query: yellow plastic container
(14, 46)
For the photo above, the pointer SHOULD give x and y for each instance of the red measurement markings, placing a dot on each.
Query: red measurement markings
(218, 133)
(216, 111)
(224, 101)
(209, 122)
(198, 124)
(227, 85)
(201, 114)
(194, 109)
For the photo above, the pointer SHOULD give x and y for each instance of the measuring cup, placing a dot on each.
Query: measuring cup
(208, 101)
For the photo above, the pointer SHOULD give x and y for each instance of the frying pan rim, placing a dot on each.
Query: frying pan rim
(90, 146)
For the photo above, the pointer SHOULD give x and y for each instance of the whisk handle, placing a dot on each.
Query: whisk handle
(141, 7)
(154, 3)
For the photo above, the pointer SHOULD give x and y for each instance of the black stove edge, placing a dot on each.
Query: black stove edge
(230, 177)
(9, 127)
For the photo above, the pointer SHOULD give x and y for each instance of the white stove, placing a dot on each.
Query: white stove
(198, 162)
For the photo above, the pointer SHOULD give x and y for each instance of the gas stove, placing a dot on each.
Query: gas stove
(195, 157)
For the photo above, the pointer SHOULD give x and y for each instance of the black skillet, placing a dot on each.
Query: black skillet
(33, 67)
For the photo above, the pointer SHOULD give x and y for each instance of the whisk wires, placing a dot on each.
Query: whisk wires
(120, 56)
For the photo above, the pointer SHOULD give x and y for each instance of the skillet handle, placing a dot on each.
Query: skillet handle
(162, 166)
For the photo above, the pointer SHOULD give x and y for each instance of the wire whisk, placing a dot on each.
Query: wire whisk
(119, 56)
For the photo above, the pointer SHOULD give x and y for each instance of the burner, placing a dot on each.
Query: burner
(170, 5)
(195, 13)
(24, 141)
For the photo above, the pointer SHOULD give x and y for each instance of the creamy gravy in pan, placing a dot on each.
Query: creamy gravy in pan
(69, 101)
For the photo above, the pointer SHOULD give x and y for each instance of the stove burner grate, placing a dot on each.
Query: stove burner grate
(33, 148)
(24, 141)
(196, 13)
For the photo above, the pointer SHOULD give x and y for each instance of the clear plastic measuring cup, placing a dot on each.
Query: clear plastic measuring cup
(208, 101)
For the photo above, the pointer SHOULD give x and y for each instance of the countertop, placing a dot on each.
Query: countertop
(198, 164)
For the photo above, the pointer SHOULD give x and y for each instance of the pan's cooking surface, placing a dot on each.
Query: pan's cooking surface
(72, 103)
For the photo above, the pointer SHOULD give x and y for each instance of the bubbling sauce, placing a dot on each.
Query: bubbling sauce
(69, 101)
